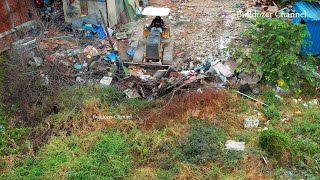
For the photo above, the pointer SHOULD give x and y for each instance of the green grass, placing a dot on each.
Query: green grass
(277, 144)
(204, 143)
(190, 149)
(65, 157)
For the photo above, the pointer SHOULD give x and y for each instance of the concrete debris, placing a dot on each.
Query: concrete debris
(159, 74)
(106, 81)
(223, 70)
(234, 145)
(132, 93)
(250, 77)
(251, 123)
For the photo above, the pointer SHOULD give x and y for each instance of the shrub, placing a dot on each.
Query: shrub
(232, 158)
(204, 143)
(277, 144)
(270, 98)
(275, 48)
(309, 131)
(12, 140)
(146, 145)
(272, 113)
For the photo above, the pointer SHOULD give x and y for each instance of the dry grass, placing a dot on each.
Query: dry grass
(146, 173)
(181, 107)
(253, 167)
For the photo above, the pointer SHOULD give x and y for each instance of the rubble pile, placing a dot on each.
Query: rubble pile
(202, 31)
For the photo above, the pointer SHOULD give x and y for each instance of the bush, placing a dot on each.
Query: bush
(204, 143)
(231, 159)
(277, 144)
(275, 48)
(272, 113)
(12, 140)
(270, 98)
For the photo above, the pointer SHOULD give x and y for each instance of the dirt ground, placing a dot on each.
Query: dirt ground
(200, 27)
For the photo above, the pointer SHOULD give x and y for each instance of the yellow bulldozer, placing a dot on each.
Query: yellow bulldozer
(156, 47)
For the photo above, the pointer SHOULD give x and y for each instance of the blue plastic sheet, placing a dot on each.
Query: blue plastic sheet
(132, 50)
(90, 27)
(100, 31)
(111, 57)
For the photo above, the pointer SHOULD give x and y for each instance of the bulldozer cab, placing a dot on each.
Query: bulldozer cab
(163, 13)
(155, 47)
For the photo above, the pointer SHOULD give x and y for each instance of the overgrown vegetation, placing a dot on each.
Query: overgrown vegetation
(275, 51)
(277, 144)
(71, 158)
(203, 144)
(83, 148)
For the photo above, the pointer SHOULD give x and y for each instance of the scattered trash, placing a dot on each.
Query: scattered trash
(290, 174)
(245, 88)
(296, 100)
(251, 98)
(159, 74)
(313, 102)
(265, 160)
(279, 97)
(234, 145)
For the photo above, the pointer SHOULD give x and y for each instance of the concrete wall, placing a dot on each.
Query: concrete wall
(14, 14)
(96, 7)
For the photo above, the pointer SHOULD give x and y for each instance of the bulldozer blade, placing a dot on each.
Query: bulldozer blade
(167, 58)
(139, 54)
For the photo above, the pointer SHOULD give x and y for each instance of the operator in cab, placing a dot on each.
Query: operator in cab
(157, 24)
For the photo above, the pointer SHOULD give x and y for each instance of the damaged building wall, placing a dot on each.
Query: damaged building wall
(96, 7)
(14, 15)
(111, 9)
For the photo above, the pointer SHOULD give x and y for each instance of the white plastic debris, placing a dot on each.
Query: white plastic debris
(80, 80)
(106, 81)
(314, 102)
(234, 145)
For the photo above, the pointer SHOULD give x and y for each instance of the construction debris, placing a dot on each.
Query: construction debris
(234, 145)
(251, 123)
